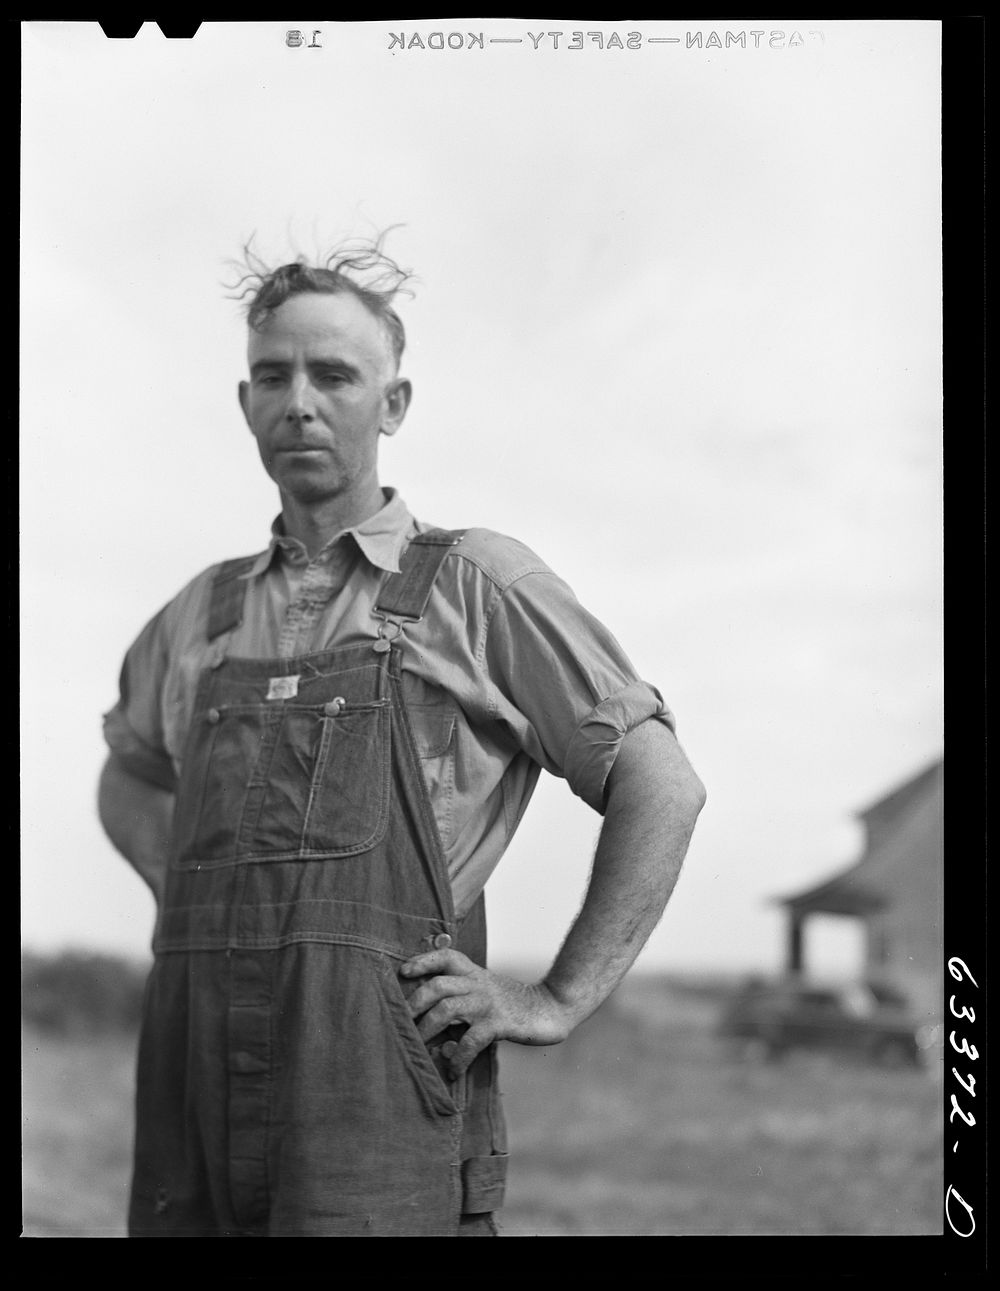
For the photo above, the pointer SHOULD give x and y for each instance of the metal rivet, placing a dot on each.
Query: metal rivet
(442, 941)
(213, 715)
(385, 638)
(335, 706)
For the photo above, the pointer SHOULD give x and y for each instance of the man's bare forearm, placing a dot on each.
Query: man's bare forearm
(654, 798)
(137, 816)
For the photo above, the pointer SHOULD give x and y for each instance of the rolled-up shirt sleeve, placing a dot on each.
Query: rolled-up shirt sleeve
(564, 686)
(596, 741)
(133, 729)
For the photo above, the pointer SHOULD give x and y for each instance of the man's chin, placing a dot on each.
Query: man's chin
(307, 489)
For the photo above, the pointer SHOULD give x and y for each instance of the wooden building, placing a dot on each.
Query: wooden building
(894, 889)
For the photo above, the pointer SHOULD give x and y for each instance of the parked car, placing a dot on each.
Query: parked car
(771, 1018)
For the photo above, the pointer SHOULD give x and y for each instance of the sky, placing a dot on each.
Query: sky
(676, 326)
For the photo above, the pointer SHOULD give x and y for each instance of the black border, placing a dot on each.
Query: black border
(965, 458)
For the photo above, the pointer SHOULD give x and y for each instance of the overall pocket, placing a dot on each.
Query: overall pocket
(433, 727)
(279, 782)
(225, 747)
(326, 791)
(440, 1094)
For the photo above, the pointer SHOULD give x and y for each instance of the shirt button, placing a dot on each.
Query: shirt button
(442, 941)
(213, 715)
(335, 706)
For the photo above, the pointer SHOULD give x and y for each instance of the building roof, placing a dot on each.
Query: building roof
(891, 807)
(903, 831)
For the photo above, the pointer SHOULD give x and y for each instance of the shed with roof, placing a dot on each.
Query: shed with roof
(895, 889)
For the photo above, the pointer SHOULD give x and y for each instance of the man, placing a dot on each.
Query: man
(318, 756)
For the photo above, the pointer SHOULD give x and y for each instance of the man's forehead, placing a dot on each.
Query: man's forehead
(319, 321)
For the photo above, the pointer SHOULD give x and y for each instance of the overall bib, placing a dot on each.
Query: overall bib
(283, 1087)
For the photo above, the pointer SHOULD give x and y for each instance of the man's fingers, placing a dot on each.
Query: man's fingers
(460, 1055)
(428, 993)
(443, 1015)
(437, 961)
(493, 1007)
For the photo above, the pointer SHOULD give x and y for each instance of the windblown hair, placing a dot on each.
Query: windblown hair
(360, 267)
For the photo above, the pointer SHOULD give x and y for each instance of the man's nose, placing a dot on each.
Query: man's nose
(300, 405)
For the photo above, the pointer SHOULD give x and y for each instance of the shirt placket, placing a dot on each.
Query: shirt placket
(321, 579)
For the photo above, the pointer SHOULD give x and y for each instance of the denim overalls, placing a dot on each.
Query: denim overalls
(283, 1088)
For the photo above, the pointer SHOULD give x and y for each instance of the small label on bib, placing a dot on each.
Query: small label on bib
(283, 687)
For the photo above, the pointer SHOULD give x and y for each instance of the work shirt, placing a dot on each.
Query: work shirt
(505, 674)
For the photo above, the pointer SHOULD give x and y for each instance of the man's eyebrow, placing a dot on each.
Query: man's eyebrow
(269, 364)
(334, 365)
(326, 365)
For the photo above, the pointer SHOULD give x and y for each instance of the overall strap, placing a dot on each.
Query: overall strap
(405, 595)
(225, 608)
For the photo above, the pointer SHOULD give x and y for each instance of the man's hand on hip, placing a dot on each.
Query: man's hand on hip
(456, 990)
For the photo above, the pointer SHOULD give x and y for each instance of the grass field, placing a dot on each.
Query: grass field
(641, 1124)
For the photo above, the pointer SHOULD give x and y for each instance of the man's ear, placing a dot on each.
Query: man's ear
(243, 391)
(397, 398)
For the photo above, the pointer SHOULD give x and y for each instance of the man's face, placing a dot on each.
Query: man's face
(322, 388)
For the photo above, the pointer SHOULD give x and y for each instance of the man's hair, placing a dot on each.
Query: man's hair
(359, 267)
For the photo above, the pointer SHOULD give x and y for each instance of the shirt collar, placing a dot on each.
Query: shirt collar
(381, 537)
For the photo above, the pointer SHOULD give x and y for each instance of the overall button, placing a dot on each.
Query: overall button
(213, 715)
(442, 941)
(335, 706)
